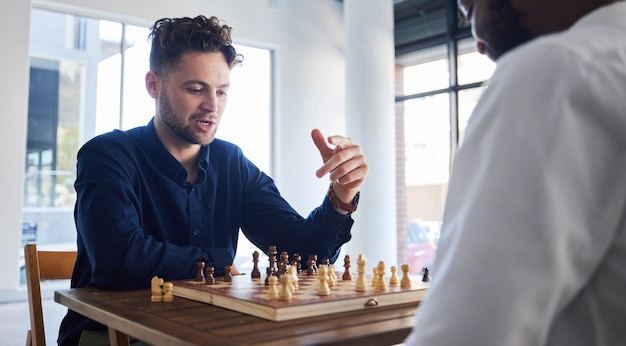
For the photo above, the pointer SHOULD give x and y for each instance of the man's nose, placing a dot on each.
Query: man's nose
(209, 103)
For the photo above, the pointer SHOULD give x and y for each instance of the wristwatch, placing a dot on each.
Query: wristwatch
(338, 204)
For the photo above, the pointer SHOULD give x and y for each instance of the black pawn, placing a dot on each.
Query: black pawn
(209, 278)
(425, 275)
(200, 272)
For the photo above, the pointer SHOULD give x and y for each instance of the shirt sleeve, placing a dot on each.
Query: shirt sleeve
(525, 223)
(121, 255)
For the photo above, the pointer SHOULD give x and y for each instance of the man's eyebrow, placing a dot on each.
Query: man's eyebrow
(193, 81)
(204, 84)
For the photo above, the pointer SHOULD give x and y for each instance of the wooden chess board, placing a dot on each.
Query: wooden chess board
(249, 296)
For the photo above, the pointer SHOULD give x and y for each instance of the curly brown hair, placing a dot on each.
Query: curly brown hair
(172, 37)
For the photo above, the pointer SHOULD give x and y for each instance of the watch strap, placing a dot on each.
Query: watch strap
(338, 204)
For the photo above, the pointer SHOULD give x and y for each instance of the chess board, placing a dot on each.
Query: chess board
(249, 296)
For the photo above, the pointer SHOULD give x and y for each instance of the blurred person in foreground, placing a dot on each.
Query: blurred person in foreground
(533, 243)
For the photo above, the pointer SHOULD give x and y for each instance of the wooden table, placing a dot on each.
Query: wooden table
(187, 322)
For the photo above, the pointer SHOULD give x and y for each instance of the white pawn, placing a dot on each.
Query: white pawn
(328, 276)
(293, 272)
(168, 289)
(272, 291)
(394, 276)
(285, 287)
(405, 281)
(379, 283)
(332, 275)
(156, 289)
(361, 281)
(322, 277)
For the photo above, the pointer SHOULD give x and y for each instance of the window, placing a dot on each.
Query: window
(433, 110)
(87, 78)
(472, 68)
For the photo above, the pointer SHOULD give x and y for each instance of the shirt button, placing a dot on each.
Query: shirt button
(196, 232)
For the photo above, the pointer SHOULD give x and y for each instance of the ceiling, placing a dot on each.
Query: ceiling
(423, 24)
(418, 20)
(408, 9)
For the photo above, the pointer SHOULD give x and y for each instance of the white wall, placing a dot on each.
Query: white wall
(310, 89)
(370, 109)
(13, 110)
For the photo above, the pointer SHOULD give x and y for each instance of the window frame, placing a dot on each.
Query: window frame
(457, 30)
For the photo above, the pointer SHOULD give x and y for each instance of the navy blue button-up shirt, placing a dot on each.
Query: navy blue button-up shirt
(137, 216)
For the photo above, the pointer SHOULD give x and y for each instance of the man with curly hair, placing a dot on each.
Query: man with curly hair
(157, 199)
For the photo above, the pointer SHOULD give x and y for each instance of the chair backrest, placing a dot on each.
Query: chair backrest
(43, 265)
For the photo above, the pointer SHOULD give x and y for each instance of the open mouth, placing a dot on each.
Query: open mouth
(205, 125)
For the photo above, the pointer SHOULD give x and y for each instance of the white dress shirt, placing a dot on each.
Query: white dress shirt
(533, 244)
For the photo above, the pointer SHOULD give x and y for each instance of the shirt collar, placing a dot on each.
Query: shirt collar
(203, 164)
(166, 163)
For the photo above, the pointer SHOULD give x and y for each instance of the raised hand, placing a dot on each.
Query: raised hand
(343, 161)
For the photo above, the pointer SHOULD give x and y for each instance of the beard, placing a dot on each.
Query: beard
(175, 123)
(503, 32)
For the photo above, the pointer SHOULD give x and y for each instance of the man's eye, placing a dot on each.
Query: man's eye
(194, 90)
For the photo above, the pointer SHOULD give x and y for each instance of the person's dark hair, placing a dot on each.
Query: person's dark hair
(172, 37)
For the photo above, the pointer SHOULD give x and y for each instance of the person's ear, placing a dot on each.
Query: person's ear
(153, 83)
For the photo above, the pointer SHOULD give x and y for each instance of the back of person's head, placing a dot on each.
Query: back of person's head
(173, 37)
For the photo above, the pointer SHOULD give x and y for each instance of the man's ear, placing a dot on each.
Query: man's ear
(153, 83)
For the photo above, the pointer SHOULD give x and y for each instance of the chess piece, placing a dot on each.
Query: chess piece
(168, 288)
(393, 280)
(314, 262)
(379, 283)
(155, 288)
(268, 272)
(405, 281)
(293, 271)
(328, 278)
(374, 276)
(282, 269)
(297, 258)
(312, 265)
(271, 252)
(285, 288)
(361, 281)
(284, 258)
(332, 276)
(228, 276)
(209, 279)
(200, 272)
(272, 291)
(322, 276)
(346, 264)
(256, 274)
(314, 258)
(425, 275)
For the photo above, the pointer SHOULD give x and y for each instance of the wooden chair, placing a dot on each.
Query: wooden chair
(43, 265)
